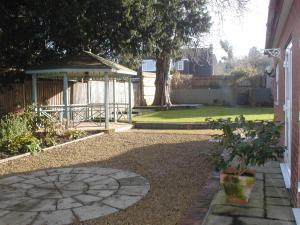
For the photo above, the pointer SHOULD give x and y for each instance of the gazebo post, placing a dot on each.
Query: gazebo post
(129, 101)
(34, 90)
(114, 100)
(88, 100)
(106, 99)
(65, 100)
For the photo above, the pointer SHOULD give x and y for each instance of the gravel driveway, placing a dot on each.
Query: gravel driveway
(175, 164)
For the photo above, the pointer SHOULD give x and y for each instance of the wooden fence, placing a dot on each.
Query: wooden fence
(50, 92)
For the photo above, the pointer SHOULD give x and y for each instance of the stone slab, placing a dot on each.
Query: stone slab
(255, 201)
(257, 221)
(237, 211)
(276, 192)
(93, 211)
(68, 195)
(280, 213)
(218, 220)
(59, 217)
(18, 218)
(272, 182)
(278, 201)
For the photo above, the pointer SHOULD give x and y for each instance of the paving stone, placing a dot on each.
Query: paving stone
(93, 211)
(276, 192)
(96, 177)
(53, 196)
(66, 177)
(68, 203)
(133, 181)
(275, 170)
(57, 171)
(104, 184)
(58, 217)
(271, 164)
(273, 175)
(43, 193)
(274, 182)
(11, 202)
(11, 180)
(66, 193)
(74, 186)
(218, 220)
(18, 218)
(34, 181)
(259, 176)
(133, 190)
(237, 211)
(255, 201)
(81, 177)
(121, 201)
(36, 205)
(22, 185)
(256, 221)
(85, 199)
(101, 193)
(4, 212)
(259, 186)
(280, 213)
(40, 173)
(123, 174)
(278, 201)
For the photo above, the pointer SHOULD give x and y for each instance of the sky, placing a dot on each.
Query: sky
(242, 33)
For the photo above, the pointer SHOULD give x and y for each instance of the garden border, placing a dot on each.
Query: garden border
(122, 129)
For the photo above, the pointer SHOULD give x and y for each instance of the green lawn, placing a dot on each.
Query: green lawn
(199, 115)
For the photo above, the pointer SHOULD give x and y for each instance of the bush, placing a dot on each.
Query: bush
(75, 134)
(23, 144)
(12, 126)
(50, 139)
(246, 143)
(180, 81)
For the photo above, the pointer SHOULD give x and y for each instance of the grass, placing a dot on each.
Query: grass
(199, 115)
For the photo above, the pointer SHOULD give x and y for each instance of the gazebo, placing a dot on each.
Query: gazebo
(85, 67)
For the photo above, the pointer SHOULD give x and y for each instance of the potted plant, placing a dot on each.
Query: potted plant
(242, 145)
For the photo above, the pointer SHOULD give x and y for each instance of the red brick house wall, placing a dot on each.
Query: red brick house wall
(290, 32)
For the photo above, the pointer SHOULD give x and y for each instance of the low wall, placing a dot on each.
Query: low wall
(223, 96)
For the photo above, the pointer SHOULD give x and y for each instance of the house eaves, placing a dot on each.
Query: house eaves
(277, 17)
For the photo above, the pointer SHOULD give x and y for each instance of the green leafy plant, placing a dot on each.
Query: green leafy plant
(75, 134)
(50, 139)
(23, 144)
(243, 144)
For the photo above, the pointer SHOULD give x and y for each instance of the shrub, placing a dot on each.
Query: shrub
(246, 143)
(50, 139)
(180, 81)
(12, 126)
(75, 134)
(23, 144)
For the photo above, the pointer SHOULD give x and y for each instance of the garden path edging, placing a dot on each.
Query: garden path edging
(121, 129)
(49, 148)
(171, 126)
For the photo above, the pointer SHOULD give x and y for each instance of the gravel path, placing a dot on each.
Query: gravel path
(176, 166)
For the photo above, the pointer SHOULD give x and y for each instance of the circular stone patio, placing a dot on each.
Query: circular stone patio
(67, 195)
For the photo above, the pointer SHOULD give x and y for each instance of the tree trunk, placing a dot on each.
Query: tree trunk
(162, 82)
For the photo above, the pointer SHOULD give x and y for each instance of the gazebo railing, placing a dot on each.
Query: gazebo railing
(77, 113)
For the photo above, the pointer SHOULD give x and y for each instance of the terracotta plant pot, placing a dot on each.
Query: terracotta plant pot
(237, 188)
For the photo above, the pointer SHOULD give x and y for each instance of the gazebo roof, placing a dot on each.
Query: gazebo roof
(81, 63)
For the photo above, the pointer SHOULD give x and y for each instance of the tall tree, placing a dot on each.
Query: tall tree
(228, 49)
(33, 31)
(175, 23)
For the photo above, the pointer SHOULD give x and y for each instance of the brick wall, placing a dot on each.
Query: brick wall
(291, 32)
